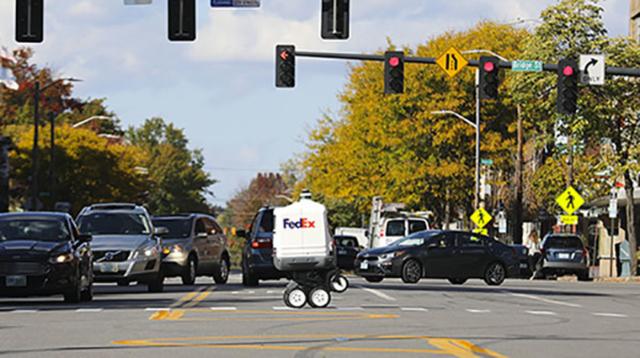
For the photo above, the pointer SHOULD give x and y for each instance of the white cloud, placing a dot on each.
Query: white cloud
(86, 8)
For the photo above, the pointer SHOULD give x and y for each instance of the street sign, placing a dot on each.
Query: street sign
(484, 232)
(570, 201)
(481, 218)
(487, 162)
(613, 208)
(452, 62)
(569, 219)
(527, 66)
(235, 3)
(592, 69)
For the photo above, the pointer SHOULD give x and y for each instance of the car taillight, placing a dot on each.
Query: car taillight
(381, 233)
(261, 244)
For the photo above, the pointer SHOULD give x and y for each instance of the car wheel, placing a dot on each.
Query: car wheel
(249, 280)
(295, 297)
(221, 276)
(374, 279)
(319, 297)
(74, 294)
(495, 274)
(457, 281)
(411, 271)
(189, 274)
(156, 285)
(583, 276)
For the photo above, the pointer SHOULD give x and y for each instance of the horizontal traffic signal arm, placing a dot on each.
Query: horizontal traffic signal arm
(612, 71)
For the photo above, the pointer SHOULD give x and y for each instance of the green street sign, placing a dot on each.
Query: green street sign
(487, 162)
(527, 66)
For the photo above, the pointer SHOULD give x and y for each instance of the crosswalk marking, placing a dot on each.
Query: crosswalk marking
(615, 315)
(477, 311)
(542, 313)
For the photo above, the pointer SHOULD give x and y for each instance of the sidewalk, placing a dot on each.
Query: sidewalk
(618, 279)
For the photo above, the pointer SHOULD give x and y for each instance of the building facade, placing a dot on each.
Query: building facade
(634, 19)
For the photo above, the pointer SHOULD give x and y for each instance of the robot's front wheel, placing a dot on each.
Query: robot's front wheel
(295, 297)
(319, 297)
(339, 283)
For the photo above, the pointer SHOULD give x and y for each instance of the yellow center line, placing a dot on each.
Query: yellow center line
(174, 313)
(201, 297)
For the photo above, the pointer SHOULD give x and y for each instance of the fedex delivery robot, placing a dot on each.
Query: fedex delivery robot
(304, 249)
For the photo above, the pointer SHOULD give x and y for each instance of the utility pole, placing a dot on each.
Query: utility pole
(52, 150)
(33, 206)
(518, 205)
(478, 153)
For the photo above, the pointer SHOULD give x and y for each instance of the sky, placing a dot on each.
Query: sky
(220, 88)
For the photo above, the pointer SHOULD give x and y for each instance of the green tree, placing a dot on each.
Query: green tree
(264, 189)
(178, 180)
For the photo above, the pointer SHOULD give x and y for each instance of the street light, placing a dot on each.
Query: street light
(38, 90)
(92, 118)
(476, 200)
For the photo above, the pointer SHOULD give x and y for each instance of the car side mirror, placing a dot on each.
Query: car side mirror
(161, 231)
(85, 238)
(242, 234)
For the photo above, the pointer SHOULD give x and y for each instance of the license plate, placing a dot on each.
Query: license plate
(16, 281)
(564, 256)
(108, 268)
(364, 265)
(342, 252)
(524, 266)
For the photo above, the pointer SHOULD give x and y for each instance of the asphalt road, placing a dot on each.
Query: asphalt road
(433, 318)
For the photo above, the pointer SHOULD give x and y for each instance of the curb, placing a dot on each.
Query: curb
(617, 279)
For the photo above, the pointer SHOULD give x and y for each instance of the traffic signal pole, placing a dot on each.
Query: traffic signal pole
(478, 153)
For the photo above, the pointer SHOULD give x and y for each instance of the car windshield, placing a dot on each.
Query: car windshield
(33, 230)
(178, 228)
(413, 240)
(114, 224)
(563, 243)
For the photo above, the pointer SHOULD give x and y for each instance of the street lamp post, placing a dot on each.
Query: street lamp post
(38, 90)
(475, 125)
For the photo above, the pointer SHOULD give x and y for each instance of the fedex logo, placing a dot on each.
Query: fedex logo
(303, 223)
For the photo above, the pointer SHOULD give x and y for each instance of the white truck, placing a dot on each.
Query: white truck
(389, 223)
(303, 248)
(362, 235)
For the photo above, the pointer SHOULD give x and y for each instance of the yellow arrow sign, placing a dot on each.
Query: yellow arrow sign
(481, 218)
(452, 62)
(570, 201)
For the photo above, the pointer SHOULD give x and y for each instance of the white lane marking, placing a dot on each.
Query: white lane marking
(477, 311)
(545, 300)
(414, 309)
(270, 292)
(282, 308)
(615, 315)
(250, 292)
(89, 310)
(378, 293)
(542, 313)
(235, 292)
(25, 311)
(223, 308)
(151, 309)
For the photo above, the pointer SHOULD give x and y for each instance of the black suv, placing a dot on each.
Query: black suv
(257, 254)
(44, 254)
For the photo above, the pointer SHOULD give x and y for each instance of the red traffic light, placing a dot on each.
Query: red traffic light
(284, 55)
(394, 61)
(568, 71)
(489, 67)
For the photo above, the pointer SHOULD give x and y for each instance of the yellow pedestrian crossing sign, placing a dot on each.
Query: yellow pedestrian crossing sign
(570, 201)
(452, 62)
(481, 218)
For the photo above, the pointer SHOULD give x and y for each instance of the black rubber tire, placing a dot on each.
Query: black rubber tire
(249, 280)
(411, 272)
(583, 276)
(495, 274)
(189, 273)
(335, 282)
(316, 290)
(157, 285)
(221, 276)
(374, 279)
(74, 294)
(287, 297)
(457, 281)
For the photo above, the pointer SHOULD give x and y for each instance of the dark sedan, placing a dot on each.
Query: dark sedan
(348, 249)
(456, 256)
(43, 254)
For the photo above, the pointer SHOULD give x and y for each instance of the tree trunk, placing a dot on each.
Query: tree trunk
(631, 224)
(447, 211)
(518, 207)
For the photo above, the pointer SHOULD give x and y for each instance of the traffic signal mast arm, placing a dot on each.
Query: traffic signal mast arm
(612, 71)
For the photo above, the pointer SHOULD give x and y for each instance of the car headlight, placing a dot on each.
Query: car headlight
(146, 252)
(61, 259)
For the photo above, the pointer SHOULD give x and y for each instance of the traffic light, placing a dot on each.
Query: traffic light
(489, 77)
(182, 20)
(29, 21)
(567, 86)
(285, 66)
(335, 19)
(393, 72)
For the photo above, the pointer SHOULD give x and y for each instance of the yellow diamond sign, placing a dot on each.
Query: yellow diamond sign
(481, 218)
(570, 201)
(452, 62)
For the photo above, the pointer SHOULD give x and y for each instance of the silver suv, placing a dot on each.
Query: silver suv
(194, 245)
(125, 244)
